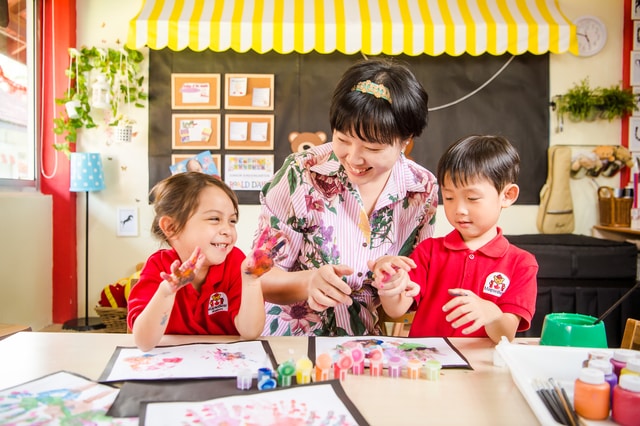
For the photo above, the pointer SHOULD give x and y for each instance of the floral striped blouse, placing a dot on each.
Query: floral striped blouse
(312, 201)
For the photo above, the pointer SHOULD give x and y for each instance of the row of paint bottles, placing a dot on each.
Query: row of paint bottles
(609, 386)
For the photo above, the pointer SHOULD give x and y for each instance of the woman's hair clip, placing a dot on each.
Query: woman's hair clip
(376, 89)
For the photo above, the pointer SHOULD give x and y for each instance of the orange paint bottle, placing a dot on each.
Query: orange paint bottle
(591, 395)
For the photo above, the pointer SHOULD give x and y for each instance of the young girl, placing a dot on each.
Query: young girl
(196, 286)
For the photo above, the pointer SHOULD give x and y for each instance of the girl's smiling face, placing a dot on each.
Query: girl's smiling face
(212, 227)
(364, 161)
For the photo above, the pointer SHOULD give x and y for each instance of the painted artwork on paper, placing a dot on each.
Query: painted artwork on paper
(61, 398)
(309, 405)
(422, 349)
(204, 360)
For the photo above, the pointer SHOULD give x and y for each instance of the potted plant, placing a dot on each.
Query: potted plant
(104, 80)
(615, 102)
(579, 103)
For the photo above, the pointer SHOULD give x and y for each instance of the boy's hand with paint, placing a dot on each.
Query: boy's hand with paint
(390, 274)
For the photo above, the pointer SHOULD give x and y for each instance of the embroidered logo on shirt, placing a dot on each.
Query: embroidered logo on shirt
(218, 302)
(496, 284)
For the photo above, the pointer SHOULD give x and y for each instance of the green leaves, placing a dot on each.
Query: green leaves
(121, 67)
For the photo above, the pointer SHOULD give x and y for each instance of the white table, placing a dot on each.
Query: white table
(485, 396)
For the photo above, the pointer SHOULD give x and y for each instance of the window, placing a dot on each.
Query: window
(18, 146)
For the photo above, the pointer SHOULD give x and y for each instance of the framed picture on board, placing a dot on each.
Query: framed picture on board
(249, 132)
(195, 131)
(635, 9)
(195, 91)
(636, 35)
(249, 91)
(634, 78)
(634, 134)
(247, 172)
(204, 162)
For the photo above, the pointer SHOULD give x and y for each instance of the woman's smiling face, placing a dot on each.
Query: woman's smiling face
(365, 161)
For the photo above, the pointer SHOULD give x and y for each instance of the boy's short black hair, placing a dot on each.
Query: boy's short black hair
(375, 119)
(480, 156)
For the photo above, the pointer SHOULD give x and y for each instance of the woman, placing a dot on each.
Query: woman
(345, 202)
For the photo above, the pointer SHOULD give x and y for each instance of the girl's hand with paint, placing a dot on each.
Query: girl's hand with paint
(183, 274)
(391, 276)
(260, 260)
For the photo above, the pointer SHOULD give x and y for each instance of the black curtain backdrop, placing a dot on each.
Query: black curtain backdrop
(515, 104)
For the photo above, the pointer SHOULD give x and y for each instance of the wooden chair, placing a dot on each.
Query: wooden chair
(631, 336)
(398, 325)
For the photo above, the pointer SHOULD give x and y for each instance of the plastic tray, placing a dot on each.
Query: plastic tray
(531, 362)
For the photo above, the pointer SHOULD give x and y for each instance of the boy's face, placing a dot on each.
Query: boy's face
(474, 208)
(212, 228)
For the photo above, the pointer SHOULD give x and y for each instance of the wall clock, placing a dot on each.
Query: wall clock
(591, 33)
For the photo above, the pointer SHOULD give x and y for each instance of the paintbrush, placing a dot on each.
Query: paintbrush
(615, 305)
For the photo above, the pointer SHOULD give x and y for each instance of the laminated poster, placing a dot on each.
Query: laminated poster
(323, 403)
(60, 398)
(421, 348)
(199, 360)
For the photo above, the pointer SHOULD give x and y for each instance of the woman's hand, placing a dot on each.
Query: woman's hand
(183, 274)
(326, 287)
(391, 276)
(467, 307)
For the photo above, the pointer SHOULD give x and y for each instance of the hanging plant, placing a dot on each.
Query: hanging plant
(583, 103)
(579, 103)
(615, 102)
(101, 81)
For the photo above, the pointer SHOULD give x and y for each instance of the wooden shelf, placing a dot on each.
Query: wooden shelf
(616, 233)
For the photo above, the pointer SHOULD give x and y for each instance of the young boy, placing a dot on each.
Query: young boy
(471, 282)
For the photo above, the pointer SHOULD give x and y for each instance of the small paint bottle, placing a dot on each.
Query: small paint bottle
(632, 367)
(395, 366)
(620, 358)
(342, 366)
(626, 399)
(244, 379)
(432, 368)
(375, 361)
(413, 368)
(285, 371)
(603, 355)
(323, 366)
(591, 394)
(357, 354)
(609, 376)
(303, 371)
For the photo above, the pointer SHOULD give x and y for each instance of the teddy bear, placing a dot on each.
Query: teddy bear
(614, 158)
(305, 140)
(585, 164)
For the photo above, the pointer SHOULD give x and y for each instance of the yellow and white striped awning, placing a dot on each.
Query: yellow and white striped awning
(391, 27)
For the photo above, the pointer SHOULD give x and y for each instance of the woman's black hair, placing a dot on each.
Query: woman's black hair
(376, 119)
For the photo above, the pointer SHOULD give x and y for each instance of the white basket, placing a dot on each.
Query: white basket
(124, 133)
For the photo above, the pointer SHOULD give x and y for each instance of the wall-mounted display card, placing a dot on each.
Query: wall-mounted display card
(634, 134)
(195, 131)
(634, 78)
(247, 172)
(249, 91)
(195, 91)
(249, 132)
(204, 162)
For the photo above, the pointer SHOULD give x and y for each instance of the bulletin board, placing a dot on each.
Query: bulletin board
(500, 95)
(249, 91)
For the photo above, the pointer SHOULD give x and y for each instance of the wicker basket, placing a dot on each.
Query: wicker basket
(614, 211)
(114, 318)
